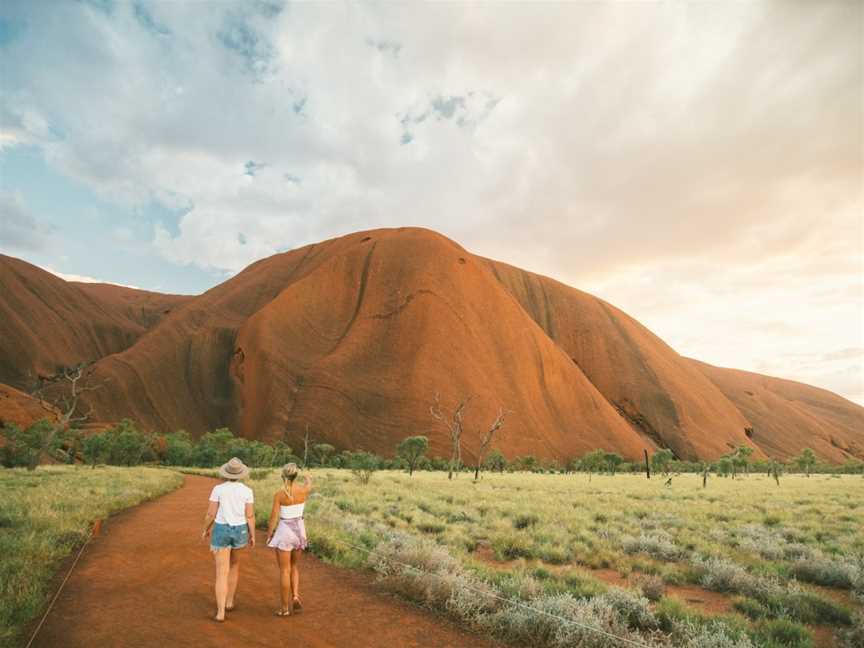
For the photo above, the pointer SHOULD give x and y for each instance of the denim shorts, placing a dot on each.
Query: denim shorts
(229, 535)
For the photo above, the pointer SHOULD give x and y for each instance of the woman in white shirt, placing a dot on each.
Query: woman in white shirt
(233, 511)
(286, 534)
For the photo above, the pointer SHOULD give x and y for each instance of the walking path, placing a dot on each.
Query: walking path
(147, 580)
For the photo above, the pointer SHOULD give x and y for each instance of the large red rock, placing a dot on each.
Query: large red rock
(354, 336)
(788, 416)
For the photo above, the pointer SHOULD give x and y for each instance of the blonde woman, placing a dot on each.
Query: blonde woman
(287, 535)
(232, 509)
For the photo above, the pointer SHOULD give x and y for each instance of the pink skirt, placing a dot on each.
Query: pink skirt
(289, 535)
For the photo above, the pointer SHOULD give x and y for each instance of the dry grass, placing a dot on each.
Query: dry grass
(745, 536)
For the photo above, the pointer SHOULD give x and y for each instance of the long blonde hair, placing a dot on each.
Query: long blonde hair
(289, 474)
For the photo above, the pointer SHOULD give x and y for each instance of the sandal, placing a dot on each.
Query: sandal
(297, 604)
(282, 613)
(230, 609)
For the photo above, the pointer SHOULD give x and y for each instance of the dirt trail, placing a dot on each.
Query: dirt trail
(146, 580)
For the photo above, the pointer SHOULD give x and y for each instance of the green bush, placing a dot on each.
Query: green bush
(782, 633)
(26, 447)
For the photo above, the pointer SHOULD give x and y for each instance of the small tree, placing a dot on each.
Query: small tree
(487, 439)
(178, 449)
(95, 449)
(806, 460)
(593, 462)
(724, 466)
(25, 447)
(741, 458)
(454, 424)
(661, 459)
(322, 453)
(495, 461)
(412, 450)
(613, 460)
(363, 465)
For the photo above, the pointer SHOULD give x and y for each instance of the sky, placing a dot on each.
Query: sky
(699, 165)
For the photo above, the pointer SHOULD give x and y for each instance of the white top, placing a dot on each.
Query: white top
(233, 497)
(293, 511)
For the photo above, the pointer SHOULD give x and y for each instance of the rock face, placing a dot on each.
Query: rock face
(354, 336)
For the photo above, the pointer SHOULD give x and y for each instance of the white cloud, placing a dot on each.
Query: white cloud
(66, 276)
(697, 164)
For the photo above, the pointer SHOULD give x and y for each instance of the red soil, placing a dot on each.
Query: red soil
(354, 336)
(146, 580)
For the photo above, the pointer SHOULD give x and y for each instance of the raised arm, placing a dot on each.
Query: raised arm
(274, 517)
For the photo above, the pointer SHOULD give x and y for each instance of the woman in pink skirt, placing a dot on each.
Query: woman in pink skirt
(287, 535)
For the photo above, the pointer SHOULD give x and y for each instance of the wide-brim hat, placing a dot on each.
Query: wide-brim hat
(234, 469)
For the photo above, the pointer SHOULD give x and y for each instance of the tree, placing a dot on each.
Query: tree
(724, 466)
(487, 439)
(363, 464)
(322, 453)
(612, 460)
(95, 449)
(412, 450)
(306, 446)
(127, 444)
(179, 449)
(25, 447)
(60, 396)
(806, 460)
(214, 448)
(661, 459)
(495, 461)
(741, 458)
(593, 462)
(453, 422)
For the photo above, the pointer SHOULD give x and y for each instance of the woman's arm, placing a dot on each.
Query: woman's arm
(274, 517)
(307, 481)
(250, 522)
(209, 517)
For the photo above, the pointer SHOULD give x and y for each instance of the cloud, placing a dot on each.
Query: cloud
(65, 276)
(695, 162)
(19, 229)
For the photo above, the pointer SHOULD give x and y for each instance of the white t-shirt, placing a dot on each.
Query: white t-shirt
(232, 498)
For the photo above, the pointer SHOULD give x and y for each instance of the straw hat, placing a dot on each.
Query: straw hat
(234, 469)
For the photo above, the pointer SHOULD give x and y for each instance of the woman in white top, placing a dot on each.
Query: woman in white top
(233, 511)
(286, 534)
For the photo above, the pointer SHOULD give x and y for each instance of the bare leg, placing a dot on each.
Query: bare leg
(295, 572)
(233, 577)
(222, 558)
(284, 560)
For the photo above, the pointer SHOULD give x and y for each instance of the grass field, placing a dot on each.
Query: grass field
(45, 515)
(743, 562)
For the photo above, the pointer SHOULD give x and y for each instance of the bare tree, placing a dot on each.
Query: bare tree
(60, 396)
(453, 423)
(487, 440)
(306, 446)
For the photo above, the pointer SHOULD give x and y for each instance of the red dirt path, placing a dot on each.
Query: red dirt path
(146, 580)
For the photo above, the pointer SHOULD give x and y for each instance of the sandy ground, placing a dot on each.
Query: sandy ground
(146, 580)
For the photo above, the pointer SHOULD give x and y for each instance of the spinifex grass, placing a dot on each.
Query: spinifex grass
(46, 514)
(532, 536)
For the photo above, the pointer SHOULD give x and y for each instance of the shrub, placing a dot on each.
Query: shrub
(825, 571)
(854, 636)
(652, 587)
(659, 546)
(782, 633)
(363, 465)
